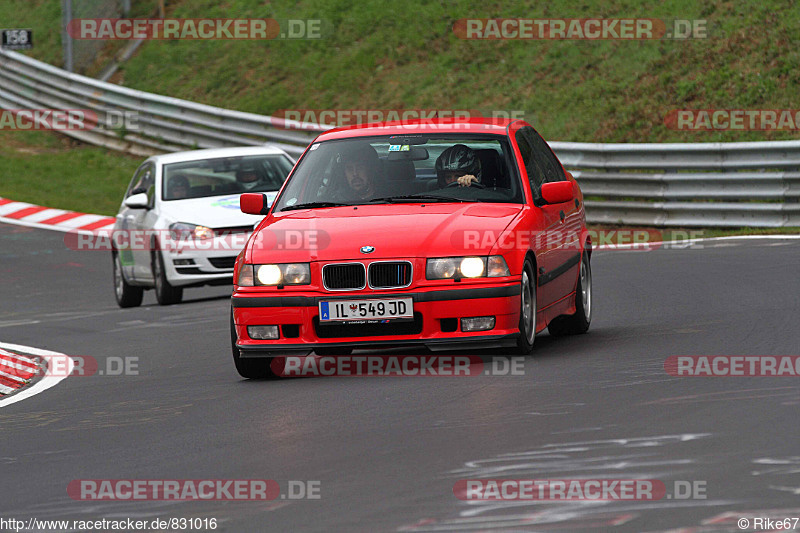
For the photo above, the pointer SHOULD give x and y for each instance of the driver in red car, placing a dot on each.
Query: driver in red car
(361, 175)
(458, 164)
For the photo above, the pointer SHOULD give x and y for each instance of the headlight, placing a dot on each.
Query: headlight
(472, 267)
(296, 274)
(466, 267)
(444, 268)
(268, 274)
(182, 230)
(282, 274)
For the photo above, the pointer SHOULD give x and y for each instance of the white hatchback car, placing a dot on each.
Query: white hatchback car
(180, 225)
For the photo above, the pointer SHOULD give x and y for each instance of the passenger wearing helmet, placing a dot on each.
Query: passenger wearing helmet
(458, 165)
(247, 177)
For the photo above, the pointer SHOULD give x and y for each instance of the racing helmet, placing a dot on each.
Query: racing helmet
(248, 177)
(458, 158)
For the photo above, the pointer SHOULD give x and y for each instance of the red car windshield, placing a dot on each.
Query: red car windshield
(443, 168)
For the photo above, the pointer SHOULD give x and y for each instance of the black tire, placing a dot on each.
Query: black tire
(126, 295)
(166, 294)
(250, 368)
(527, 312)
(333, 351)
(579, 322)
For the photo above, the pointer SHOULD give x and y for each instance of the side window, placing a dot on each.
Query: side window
(533, 166)
(552, 168)
(134, 181)
(143, 181)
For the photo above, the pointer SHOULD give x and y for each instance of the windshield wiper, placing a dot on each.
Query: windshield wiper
(418, 197)
(311, 205)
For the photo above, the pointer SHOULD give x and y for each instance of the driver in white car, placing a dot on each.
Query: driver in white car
(248, 179)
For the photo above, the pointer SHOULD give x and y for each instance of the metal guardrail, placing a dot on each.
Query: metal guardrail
(694, 184)
(165, 124)
(754, 184)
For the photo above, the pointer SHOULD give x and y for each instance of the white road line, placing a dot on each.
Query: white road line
(43, 384)
(669, 245)
(9, 323)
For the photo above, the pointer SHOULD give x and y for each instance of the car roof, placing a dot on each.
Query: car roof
(212, 153)
(417, 126)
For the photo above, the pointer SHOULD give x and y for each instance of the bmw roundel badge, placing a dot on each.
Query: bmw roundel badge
(367, 249)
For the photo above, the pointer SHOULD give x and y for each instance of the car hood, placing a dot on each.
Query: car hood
(395, 231)
(214, 211)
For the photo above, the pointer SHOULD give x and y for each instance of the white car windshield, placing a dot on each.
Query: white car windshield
(226, 175)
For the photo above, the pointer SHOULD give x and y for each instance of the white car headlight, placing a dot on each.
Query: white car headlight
(182, 230)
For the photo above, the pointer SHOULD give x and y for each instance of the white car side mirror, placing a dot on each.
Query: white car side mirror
(137, 201)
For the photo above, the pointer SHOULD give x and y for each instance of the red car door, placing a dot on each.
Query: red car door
(546, 227)
(562, 270)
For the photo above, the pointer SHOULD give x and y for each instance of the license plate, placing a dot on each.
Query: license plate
(368, 311)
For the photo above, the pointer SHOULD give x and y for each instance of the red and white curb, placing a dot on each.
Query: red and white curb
(17, 369)
(36, 216)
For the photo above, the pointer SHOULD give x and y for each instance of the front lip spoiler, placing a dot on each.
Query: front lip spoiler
(435, 345)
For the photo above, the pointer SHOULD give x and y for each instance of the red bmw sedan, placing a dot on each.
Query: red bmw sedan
(449, 234)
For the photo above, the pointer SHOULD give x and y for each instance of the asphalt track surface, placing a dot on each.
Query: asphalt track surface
(387, 451)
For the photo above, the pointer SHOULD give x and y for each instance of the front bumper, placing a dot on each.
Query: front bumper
(436, 312)
(203, 262)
